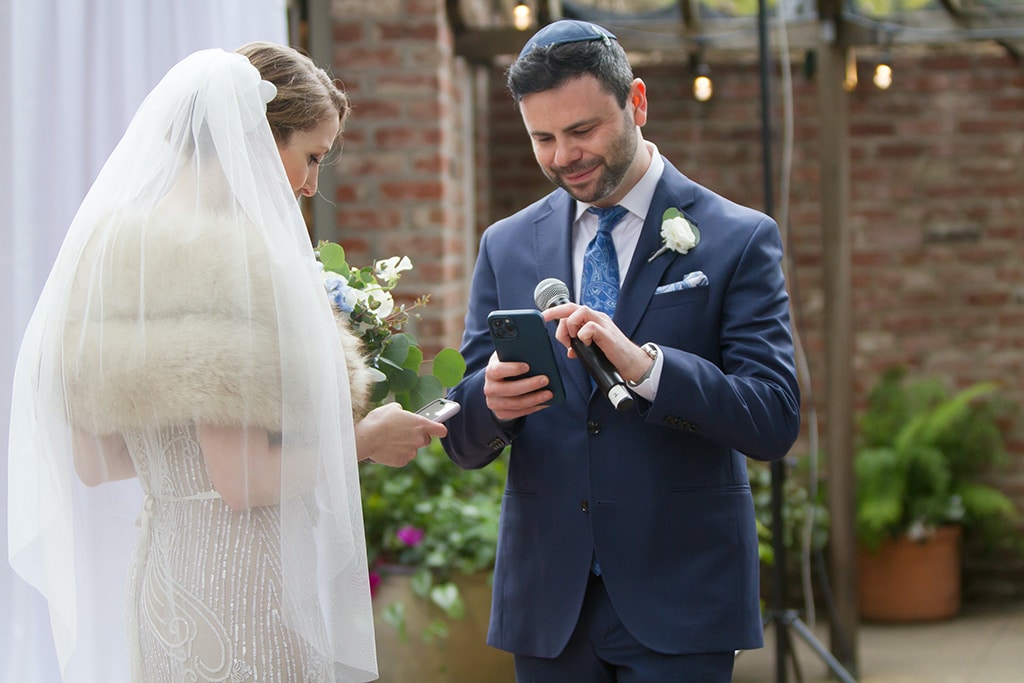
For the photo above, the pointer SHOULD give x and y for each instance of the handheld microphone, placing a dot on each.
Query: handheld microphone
(553, 292)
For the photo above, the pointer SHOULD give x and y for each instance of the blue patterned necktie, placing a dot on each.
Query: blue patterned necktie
(599, 288)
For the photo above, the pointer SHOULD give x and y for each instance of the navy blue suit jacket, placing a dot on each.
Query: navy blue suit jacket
(659, 492)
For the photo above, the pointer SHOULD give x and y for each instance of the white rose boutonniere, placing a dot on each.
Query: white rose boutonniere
(679, 234)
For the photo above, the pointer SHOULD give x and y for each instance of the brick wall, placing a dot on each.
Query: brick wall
(435, 151)
(403, 172)
(937, 214)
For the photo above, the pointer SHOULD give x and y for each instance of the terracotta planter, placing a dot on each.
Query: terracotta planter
(912, 580)
(463, 657)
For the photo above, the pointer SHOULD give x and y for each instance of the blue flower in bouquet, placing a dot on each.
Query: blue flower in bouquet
(337, 290)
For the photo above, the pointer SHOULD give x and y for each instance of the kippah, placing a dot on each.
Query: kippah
(566, 31)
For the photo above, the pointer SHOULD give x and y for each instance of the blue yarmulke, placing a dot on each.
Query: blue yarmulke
(566, 31)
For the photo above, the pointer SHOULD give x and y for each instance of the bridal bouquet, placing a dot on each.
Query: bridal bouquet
(364, 295)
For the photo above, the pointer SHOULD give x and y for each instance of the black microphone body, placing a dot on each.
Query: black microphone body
(553, 292)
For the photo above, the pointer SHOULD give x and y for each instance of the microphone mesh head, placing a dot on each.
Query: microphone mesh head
(549, 292)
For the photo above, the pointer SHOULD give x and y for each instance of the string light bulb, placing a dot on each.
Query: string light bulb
(703, 87)
(883, 74)
(883, 70)
(521, 18)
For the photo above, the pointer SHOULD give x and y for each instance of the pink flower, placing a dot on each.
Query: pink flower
(374, 582)
(410, 535)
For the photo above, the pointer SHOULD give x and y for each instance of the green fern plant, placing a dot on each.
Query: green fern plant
(921, 453)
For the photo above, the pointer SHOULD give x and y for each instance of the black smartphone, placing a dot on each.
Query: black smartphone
(520, 335)
(439, 410)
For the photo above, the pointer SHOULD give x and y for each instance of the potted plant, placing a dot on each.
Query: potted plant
(432, 534)
(431, 527)
(922, 452)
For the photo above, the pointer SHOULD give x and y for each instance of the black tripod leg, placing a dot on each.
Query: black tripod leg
(783, 648)
(821, 650)
(798, 674)
(784, 618)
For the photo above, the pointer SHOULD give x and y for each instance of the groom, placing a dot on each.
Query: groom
(628, 548)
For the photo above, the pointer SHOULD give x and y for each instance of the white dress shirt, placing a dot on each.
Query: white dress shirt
(625, 237)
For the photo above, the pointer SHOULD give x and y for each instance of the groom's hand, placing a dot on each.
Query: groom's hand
(595, 327)
(510, 398)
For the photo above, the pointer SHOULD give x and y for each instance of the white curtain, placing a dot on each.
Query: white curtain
(72, 73)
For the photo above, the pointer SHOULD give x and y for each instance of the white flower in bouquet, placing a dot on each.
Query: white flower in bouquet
(390, 269)
(374, 299)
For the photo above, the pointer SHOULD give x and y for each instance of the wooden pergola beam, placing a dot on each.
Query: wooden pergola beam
(690, 11)
(837, 273)
(678, 39)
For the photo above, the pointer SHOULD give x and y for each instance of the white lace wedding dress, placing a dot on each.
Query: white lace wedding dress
(204, 599)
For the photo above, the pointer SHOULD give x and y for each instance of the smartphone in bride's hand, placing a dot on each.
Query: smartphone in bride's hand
(439, 410)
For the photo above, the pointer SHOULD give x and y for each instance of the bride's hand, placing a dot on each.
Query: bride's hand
(391, 435)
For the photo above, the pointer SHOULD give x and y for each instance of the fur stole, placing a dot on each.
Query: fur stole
(191, 336)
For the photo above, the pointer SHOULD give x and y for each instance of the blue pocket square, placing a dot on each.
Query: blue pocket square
(695, 279)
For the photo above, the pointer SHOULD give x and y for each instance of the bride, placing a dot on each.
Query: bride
(184, 338)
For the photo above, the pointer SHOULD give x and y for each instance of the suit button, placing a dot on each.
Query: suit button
(585, 506)
(593, 427)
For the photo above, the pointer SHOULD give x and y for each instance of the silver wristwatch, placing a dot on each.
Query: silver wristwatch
(652, 350)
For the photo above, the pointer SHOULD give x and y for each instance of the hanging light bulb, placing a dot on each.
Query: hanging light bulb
(703, 88)
(883, 70)
(521, 16)
(883, 74)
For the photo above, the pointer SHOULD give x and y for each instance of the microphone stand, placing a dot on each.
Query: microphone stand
(780, 615)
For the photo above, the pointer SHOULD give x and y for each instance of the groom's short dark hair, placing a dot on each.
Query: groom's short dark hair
(557, 54)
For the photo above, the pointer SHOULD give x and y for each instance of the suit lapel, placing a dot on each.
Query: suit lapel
(553, 240)
(673, 190)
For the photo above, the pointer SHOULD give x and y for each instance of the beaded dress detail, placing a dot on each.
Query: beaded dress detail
(189, 628)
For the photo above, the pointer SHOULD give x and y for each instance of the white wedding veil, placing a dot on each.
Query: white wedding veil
(186, 293)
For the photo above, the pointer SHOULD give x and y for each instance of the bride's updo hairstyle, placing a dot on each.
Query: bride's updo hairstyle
(306, 94)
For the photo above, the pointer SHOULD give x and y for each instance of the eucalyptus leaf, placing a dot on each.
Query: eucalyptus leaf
(414, 359)
(379, 390)
(332, 255)
(449, 367)
(426, 390)
(397, 349)
(399, 379)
